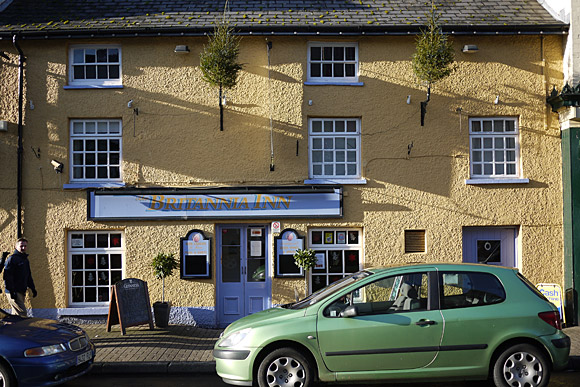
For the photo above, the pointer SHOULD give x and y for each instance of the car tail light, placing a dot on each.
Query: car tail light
(552, 318)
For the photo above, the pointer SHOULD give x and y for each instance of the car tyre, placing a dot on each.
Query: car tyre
(6, 376)
(285, 367)
(521, 365)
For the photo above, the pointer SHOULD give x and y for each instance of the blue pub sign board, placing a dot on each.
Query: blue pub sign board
(217, 203)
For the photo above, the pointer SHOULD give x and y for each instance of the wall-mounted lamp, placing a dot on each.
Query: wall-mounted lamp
(470, 48)
(408, 100)
(496, 101)
(181, 49)
(3, 126)
(57, 165)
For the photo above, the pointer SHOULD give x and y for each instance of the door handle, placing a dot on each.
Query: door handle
(423, 322)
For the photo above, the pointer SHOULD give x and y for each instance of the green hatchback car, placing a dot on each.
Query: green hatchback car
(416, 322)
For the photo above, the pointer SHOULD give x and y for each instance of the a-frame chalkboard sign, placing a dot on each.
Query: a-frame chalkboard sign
(130, 305)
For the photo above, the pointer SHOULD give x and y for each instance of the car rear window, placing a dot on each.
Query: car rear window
(469, 289)
(531, 286)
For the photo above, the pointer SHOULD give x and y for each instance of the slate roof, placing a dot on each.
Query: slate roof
(53, 18)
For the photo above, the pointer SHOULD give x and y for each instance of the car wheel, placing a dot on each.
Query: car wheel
(522, 365)
(285, 367)
(6, 378)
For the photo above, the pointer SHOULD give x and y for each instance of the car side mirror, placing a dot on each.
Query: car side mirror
(349, 311)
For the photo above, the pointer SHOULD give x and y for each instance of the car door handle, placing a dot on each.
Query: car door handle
(424, 322)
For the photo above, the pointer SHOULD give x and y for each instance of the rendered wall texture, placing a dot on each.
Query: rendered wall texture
(175, 141)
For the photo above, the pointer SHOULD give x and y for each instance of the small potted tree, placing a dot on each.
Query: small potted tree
(306, 260)
(163, 266)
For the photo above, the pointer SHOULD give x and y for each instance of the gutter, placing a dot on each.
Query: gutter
(21, 60)
(549, 29)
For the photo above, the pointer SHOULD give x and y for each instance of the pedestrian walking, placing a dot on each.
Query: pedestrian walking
(18, 277)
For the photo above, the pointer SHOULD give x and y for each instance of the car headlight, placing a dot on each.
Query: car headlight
(45, 351)
(235, 338)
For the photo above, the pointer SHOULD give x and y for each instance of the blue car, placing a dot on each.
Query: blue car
(40, 352)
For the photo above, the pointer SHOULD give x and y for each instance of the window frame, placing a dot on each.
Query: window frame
(312, 136)
(332, 79)
(71, 251)
(493, 135)
(94, 83)
(335, 246)
(96, 137)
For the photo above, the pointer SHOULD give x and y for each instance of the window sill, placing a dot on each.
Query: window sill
(335, 181)
(310, 83)
(84, 311)
(79, 87)
(497, 181)
(93, 185)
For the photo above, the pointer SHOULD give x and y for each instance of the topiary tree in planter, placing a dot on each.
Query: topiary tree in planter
(163, 266)
(433, 57)
(306, 260)
(219, 61)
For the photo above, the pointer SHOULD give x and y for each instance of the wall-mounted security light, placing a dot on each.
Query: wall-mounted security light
(181, 49)
(496, 101)
(3, 126)
(57, 165)
(470, 48)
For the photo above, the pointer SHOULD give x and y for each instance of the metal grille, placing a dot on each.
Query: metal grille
(414, 241)
(78, 344)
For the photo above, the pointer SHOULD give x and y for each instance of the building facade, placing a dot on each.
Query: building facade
(113, 151)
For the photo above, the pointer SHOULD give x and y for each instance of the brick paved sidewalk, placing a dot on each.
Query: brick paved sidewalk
(179, 348)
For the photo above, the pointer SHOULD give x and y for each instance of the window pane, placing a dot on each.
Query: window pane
(114, 172)
(90, 173)
(316, 126)
(101, 55)
(339, 143)
(338, 53)
(487, 169)
(315, 53)
(78, 145)
(90, 159)
(487, 143)
(498, 156)
(476, 156)
(351, 156)
(351, 126)
(113, 71)
(510, 143)
(339, 126)
(349, 70)
(328, 170)
(78, 72)
(338, 70)
(476, 143)
(91, 72)
(90, 55)
(351, 143)
(317, 170)
(327, 70)
(476, 126)
(113, 55)
(327, 53)
(477, 169)
(487, 126)
(510, 156)
(102, 145)
(340, 170)
(102, 127)
(488, 156)
(316, 156)
(498, 126)
(114, 127)
(510, 169)
(350, 53)
(78, 55)
(340, 157)
(102, 172)
(102, 72)
(328, 156)
(499, 143)
(317, 143)
(90, 127)
(315, 70)
(510, 126)
(328, 126)
(499, 170)
(328, 143)
(352, 170)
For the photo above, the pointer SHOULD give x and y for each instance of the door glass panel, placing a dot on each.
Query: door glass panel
(256, 255)
(231, 264)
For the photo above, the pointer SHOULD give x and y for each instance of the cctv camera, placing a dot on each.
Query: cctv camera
(57, 166)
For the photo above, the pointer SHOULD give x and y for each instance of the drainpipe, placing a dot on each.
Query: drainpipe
(21, 60)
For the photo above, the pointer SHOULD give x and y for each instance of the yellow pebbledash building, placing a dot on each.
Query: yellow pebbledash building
(112, 150)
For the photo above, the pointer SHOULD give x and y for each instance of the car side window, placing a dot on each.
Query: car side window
(401, 293)
(469, 289)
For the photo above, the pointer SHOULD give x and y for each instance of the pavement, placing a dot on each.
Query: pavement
(185, 349)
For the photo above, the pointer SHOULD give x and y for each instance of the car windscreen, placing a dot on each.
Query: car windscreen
(328, 291)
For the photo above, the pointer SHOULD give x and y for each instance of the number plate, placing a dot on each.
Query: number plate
(84, 357)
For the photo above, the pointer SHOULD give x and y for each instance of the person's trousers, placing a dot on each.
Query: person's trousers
(18, 304)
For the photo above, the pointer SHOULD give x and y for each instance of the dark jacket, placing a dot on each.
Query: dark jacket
(17, 275)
